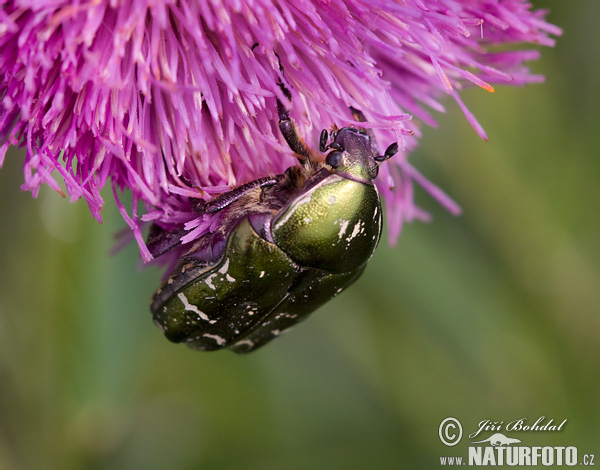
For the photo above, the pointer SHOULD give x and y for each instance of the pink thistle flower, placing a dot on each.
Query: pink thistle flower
(173, 100)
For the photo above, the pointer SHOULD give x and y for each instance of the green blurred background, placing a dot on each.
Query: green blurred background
(491, 315)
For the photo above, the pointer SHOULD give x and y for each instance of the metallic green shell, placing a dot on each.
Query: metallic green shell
(334, 226)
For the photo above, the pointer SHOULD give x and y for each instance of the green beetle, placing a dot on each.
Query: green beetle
(285, 245)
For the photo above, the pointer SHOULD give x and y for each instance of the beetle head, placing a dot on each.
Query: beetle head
(352, 153)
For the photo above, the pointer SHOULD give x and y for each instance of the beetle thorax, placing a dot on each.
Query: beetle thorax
(333, 225)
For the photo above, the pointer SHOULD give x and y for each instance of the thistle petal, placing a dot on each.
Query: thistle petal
(175, 101)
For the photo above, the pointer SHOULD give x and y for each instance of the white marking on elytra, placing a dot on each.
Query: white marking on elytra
(252, 309)
(356, 229)
(209, 283)
(192, 308)
(343, 228)
(225, 267)
(220, 341)
(376, 214)
(280, 332)
(229, 278)
(262, 273)
(307, 220)
(245, 341)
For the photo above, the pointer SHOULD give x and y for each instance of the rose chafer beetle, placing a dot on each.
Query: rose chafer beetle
(285, 245)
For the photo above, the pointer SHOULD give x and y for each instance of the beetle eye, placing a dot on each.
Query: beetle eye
(334, 158)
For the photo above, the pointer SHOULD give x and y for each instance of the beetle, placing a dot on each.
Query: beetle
(285, 245)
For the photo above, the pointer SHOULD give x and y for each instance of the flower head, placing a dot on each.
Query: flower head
(175, 101)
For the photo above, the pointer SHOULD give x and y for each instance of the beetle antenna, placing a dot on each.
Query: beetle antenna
(323, 140)
(389, 153)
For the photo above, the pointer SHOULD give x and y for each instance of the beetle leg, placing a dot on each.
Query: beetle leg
(289, 129)
(287, 126)
(223, 200)
(160, 240)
